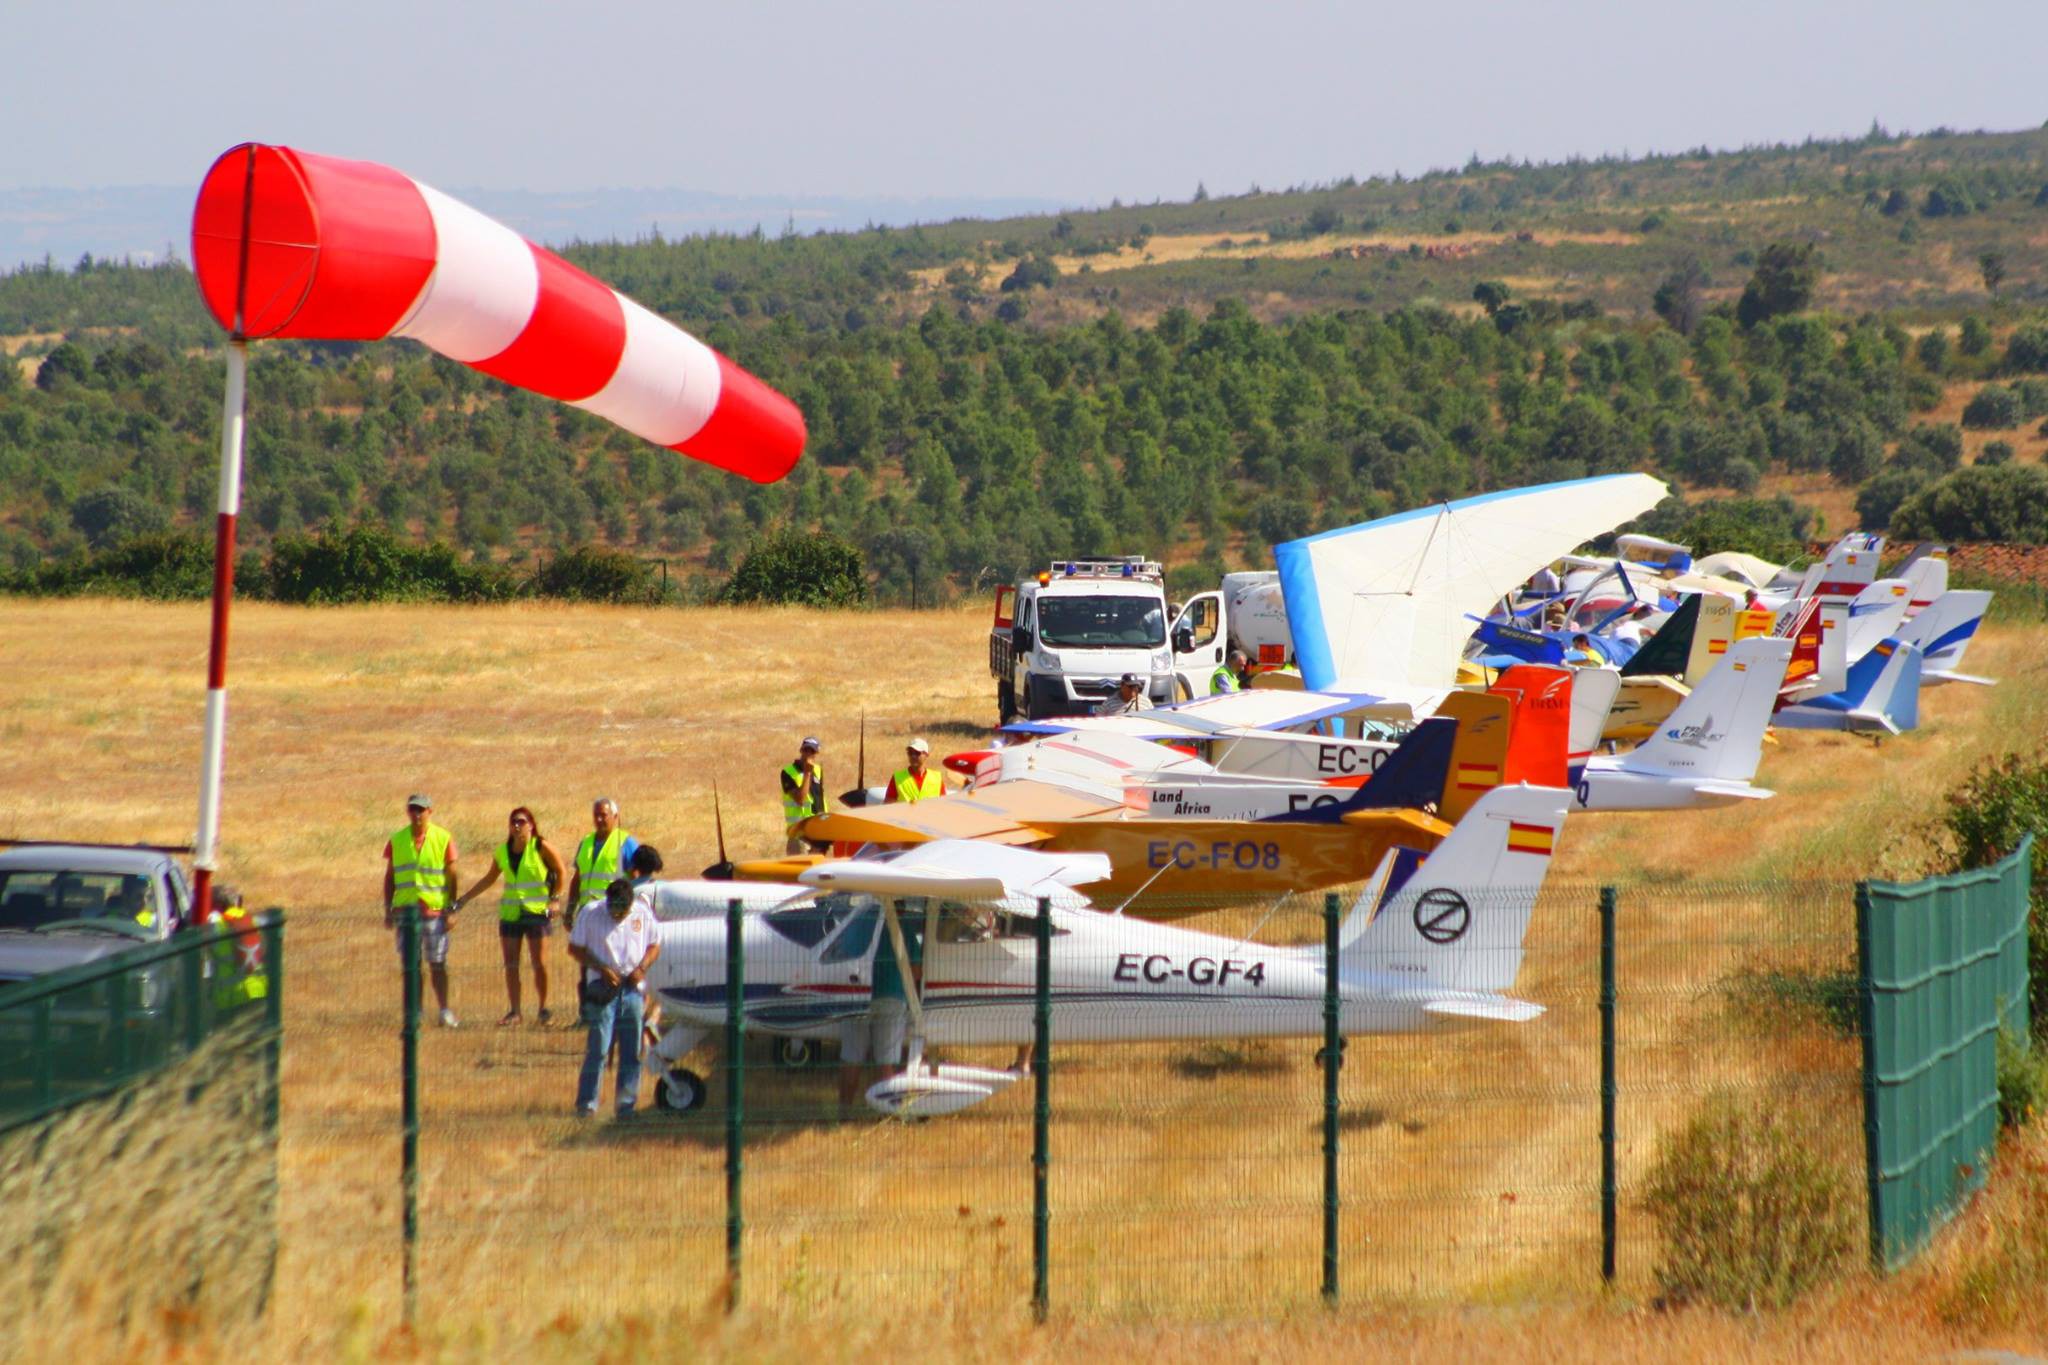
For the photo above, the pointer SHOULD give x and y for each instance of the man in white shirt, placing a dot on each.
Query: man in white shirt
(615, 950)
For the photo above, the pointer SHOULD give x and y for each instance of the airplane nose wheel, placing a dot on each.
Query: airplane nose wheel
(680, 1091)
(1322, 1053)
(795, 1053)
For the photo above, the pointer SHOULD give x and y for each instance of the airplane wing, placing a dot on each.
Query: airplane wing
(1006, 813)
(1257, 709)
(1388, 599)
(962, 870)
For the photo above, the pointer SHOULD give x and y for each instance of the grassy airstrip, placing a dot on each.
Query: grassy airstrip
(1185, 1177)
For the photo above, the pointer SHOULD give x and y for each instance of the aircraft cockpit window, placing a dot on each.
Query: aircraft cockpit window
(858, 936)
(960, 923)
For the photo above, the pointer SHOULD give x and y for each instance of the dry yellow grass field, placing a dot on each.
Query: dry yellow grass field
(1186, 1177)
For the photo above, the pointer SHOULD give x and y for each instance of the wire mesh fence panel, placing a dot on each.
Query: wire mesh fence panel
(138, 1171)
(1738, 1059)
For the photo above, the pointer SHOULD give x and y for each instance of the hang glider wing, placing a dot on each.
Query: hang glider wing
(1388, 600)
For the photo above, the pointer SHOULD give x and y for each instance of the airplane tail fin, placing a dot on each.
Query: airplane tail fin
(1593, 694)
(1718, 731)
(1666, 652)
(1458, 922)
(1926, 575)
(1944, 628)
(1850, 567)
(1711, 638)
(1884, 686)
(1539, 733)
(1877, 613)
(1416, 774)
(1803, 629)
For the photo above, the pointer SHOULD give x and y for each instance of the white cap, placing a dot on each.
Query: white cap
(919, 746)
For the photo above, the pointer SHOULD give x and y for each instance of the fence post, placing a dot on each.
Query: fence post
(409, 1159)
(1333, 1059)
(735, 1091)
(1866, 1016)
(1609, 1191)
(1041, 1113)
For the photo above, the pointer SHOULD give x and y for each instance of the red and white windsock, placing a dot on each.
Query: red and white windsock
(290, 244)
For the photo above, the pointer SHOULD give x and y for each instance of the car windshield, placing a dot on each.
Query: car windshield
(30, 900)
(1138, 622)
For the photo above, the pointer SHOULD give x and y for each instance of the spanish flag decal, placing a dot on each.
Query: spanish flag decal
(1536, 839)
(1717, 646)
(1478, 776)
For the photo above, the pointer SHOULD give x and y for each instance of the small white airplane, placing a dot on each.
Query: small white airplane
(1706, 751)
(1432, 944)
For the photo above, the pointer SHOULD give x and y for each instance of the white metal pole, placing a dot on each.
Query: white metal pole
(204, 845)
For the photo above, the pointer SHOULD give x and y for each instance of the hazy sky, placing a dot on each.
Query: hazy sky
(1077, 102)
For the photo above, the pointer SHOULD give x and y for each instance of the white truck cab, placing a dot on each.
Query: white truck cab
(1059, 641)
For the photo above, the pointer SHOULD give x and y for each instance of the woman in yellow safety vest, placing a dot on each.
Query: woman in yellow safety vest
(532, 874)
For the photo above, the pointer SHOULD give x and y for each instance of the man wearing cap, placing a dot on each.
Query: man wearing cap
(615, 948)
(602, 858)
(918, 781)
(1130, 697)
(419, 869)
(803, 795)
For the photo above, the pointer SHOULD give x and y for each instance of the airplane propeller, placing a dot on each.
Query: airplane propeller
(722, 870)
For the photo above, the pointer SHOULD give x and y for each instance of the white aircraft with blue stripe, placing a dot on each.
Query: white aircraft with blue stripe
(1433, 943)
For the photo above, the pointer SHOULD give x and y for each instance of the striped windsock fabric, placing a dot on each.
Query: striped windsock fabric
(291, 244)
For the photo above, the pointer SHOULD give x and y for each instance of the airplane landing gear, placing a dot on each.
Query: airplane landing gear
(680, 1090)
(796, 1053)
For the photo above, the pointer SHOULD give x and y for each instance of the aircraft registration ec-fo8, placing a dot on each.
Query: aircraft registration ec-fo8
(1432, 943)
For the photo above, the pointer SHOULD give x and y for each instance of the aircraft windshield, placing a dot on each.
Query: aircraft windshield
(809, 925)
(1101, 622)
(858, 936)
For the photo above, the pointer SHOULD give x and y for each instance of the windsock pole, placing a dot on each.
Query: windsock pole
(227, 505)
(204, 845)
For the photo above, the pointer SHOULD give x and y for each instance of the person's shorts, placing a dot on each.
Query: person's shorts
(433, 939)
(875, 1038)
(526, 926)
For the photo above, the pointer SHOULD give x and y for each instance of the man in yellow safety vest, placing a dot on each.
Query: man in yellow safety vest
(601, 859)
(803, 795)
(419, 869)
(917, 782)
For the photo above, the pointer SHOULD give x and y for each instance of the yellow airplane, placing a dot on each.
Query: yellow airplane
(1165, 868)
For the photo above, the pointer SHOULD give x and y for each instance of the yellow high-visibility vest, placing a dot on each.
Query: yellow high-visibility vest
(526, 886)
(796, 809)
(420, 874)
(598, 867)
(909, 788)
(235, 980)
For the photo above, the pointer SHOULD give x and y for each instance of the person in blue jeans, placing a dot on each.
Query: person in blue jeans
(615, 950)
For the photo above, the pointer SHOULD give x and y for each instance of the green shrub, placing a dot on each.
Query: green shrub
(1987, 815)
(167, 567)
(1995, 452)
(1878, 500)
(370, 564)
(1994, 406)
(594, 573)
(2028, 349)
(801, 568)
(1749, 1214)
(2022, 1079)
(1995, 502)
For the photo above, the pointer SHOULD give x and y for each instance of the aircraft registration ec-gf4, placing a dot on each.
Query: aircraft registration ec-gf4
(1430, 944)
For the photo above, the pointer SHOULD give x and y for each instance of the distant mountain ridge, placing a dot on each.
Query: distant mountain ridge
(151, 223)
